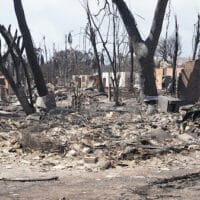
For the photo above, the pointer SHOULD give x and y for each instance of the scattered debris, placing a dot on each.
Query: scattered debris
(55, 178)
(98, 136)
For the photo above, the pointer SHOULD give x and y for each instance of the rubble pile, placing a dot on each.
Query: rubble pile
(98, 137)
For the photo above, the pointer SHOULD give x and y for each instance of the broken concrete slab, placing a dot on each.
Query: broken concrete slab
(169, 104)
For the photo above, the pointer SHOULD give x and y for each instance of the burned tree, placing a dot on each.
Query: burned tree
(132, 65)
(169, 49)
(167, 45)
(14, 49)
(144, 49)
(196, 38)
(114, 56)
(31, 55)
(92, 35)
(163, 48)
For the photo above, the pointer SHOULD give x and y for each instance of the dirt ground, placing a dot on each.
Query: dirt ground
(142, 182)
(98, 152)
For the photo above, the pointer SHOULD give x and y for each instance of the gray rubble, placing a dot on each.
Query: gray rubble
(95, 138)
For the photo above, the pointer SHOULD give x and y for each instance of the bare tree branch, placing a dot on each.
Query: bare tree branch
(13, 46)
(129, 21)
(197, 38)
(156, 27)
(31, 55)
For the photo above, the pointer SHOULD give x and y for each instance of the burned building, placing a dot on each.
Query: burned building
(189, 82)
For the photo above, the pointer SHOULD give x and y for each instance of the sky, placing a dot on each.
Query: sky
(55, 18)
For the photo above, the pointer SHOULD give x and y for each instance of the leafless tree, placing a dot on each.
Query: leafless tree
(31, 55)
(14, 49)
(114, 56)
(166, 48)
(196, 38)
(169, 49)
(144, 49)
(92, 35)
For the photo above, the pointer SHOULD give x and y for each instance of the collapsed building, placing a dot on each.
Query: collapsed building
(187, 80)
(187, 76)
(88, 81)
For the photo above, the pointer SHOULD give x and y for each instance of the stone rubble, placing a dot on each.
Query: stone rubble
(95, 138)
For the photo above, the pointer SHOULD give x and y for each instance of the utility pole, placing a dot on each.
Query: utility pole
(175, 58)
(66, 64)
(45, 48)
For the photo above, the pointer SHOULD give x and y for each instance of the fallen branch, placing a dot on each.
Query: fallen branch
(55, 178)
(188, 177)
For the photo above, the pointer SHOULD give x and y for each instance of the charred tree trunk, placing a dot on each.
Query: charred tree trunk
(197, 38)
(132, 66)
(19, 92)
(94, 45)
(16, 54)
(101, 87)
(144, 50)
(31, 55)
(115, 79)
(147, 76)
(17, 59)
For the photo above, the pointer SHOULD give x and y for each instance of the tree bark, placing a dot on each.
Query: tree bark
(148, 84)
(31, 55)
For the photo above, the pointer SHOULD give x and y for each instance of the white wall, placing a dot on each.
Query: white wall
(124, 76)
